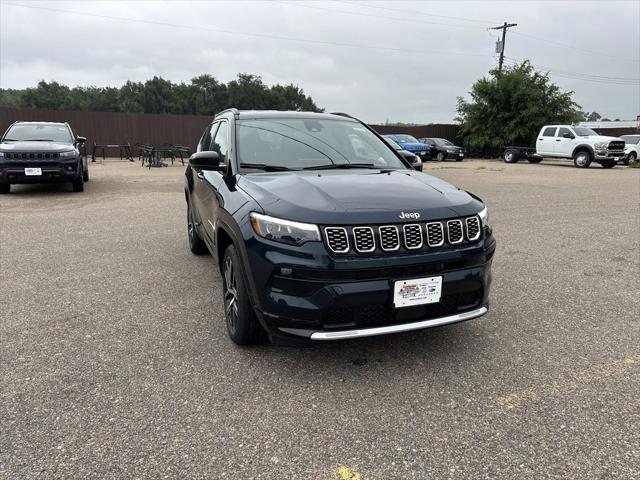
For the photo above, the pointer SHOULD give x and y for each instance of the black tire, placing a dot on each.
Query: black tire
(511, 155)
(78, 183)
(196, 244)
(5, 188)
(441, 157)
(609, 164)
(242, 325)
(631, 158)
(85, 175)
(582, 159)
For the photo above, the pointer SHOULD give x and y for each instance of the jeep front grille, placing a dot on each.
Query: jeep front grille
(337, 239)
(454, 229)
(412, 236)
(30, 155)
(435, 234)
(403, 237)
(473, 228)
(389, 238)
(363, 239)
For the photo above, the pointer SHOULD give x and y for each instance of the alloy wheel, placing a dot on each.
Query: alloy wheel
(230, 295)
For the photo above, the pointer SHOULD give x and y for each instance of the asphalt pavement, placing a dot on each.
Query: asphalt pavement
(115, 362)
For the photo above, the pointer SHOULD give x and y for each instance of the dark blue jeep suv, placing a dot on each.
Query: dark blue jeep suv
(323, 232)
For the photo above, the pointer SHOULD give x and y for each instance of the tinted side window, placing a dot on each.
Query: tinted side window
(549, 132)
(205, 140)
(562, 131)
(220, 142)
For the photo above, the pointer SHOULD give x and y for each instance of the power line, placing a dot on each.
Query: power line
(413, 12)
(362, 14)
(577, 49)
(247, 34)
(603, 79)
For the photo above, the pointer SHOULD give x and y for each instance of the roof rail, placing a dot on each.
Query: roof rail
(233, 110)
(342, 114)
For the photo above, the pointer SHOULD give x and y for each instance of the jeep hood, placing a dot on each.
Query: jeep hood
(35, 147)
(356, 196)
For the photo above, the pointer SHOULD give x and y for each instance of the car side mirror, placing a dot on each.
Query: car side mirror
(568, 135)
(207, 160)
(81, 139)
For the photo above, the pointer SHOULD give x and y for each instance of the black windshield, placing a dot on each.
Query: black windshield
(39, 132)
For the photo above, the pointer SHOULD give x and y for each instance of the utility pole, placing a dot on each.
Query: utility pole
(500, 45)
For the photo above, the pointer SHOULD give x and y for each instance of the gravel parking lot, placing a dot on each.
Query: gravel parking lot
(116, 362)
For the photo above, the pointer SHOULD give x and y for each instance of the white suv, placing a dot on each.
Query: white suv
(631, 149)
(581, 144)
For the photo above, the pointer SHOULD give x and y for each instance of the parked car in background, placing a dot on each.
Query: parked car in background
(581, 144)
(317, 240)
(42, 152)
(442, 149)
(412, 145)
(632, 143)
(414, 160)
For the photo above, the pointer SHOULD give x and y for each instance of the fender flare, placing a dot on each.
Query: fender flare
(583, 146)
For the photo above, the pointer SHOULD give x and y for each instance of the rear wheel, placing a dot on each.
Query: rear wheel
(511, 155)
(196, 244)
(85, 175)
(242, 325)
(5, 188)
(582, 159)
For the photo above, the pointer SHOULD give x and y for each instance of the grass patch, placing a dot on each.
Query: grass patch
(634, 165)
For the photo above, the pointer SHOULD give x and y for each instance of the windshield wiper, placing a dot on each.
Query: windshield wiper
(341, 165)
(266, 168)
(36, 140)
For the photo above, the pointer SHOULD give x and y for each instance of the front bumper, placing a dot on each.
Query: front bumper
(605, 155)
(303, 293)
(51, 171)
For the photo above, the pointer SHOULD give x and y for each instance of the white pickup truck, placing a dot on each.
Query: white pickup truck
(581, 144)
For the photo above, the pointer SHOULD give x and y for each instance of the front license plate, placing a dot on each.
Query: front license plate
(420, 291)
(615, 159)
(31, 172)
(420, 153)
(461, 154)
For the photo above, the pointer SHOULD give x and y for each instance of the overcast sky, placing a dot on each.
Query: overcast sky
(379, 60)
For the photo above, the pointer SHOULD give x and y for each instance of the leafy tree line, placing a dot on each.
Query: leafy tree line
(510, 107)
(203, 95)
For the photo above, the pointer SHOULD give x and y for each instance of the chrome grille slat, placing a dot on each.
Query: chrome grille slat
(364, 239)
(455, 234)
(389, 238)
(473, 228)
(435, 234)
(337, 239)
(412, 236)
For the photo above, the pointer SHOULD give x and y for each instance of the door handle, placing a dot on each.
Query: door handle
(557, 140)
(200, 175)
(541, 139)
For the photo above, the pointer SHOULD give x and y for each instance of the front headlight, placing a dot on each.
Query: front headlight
(286, 231)
(69, 154)
(600, 145)
(1, 154)
(484, 217)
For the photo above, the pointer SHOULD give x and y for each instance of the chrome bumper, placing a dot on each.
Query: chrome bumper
(406, 327)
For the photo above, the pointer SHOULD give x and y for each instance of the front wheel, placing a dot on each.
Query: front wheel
(242, 325)
(631, 158)
(78, 183)
(582, 159)
(441, 157)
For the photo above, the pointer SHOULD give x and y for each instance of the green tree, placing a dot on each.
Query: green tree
(509, 107)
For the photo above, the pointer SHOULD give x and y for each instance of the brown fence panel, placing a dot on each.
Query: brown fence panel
(110, 127)
(435, 130)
